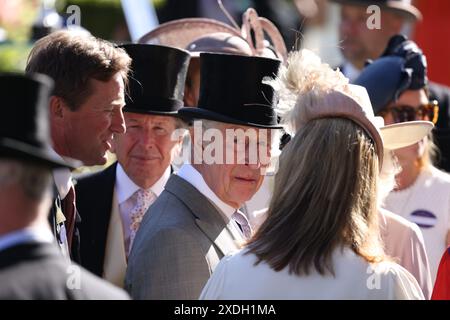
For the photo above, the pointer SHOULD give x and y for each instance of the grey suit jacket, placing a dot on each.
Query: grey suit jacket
(38, 271)
(179, 243)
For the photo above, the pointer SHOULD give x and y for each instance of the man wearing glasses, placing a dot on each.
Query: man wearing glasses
(397, 85)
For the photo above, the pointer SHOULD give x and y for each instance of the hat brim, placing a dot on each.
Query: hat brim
(179, 33)
(400, 135)
(192, 113)
(11, 148)
(151, 112)
(403, 8)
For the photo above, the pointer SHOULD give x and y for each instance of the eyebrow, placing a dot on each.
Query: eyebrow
(160, 122)
(134, 120)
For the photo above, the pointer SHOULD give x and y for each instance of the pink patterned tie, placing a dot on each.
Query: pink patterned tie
(241, 219)
(144, 199)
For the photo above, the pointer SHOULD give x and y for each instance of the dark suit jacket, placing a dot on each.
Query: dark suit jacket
(442, 132)
(94, 202)
(39, 271)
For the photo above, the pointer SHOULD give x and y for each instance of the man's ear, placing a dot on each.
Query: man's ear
(56, 108)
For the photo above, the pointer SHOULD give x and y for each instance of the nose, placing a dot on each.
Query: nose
(147, 138)
(251, 163)
(259, 157)
(254, 166)
(118, 122)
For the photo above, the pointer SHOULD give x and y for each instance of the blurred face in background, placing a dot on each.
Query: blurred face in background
(358, 42)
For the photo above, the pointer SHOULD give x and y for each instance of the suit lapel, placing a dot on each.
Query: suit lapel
(224, 241)
(207, 216)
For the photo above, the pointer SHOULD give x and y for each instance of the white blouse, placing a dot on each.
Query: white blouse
(236, 277)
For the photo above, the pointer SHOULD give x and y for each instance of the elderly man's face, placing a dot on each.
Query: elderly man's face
(146, 150)
(360, 43)
(237, 182)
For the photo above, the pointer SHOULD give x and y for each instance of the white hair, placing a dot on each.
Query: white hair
(32, 179)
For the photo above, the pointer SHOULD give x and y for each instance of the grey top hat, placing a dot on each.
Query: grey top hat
(403, 7)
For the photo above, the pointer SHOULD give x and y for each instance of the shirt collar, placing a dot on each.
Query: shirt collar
(350, 71)
(62, 177)
(125, 187)
(191, 175)
(25, 236)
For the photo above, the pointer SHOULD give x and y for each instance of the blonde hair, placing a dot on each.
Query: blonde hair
(325, 193)
(431, 153)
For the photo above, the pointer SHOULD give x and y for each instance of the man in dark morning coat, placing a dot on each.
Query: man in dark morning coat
(113, 201)
(85, 111)
(31, 266)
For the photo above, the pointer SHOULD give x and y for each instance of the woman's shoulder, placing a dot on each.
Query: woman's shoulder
(239, 258)
(397, 280)
(388, 267)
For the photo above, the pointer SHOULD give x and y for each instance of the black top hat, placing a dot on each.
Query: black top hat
(232, 90)
(24, 124)
(156, 85)
(403, 7)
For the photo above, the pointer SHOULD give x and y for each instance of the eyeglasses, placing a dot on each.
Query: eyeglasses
(428, 111)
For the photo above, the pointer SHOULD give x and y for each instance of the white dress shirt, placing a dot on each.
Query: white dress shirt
(191, 175)
(126, 197)
(26, 235)
(62, 178)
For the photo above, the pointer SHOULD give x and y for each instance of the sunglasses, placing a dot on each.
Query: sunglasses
(428, 111)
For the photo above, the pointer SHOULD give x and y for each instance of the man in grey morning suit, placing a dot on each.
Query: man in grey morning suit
(195, 221)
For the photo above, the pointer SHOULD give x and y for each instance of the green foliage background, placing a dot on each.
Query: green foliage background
(100, 17)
